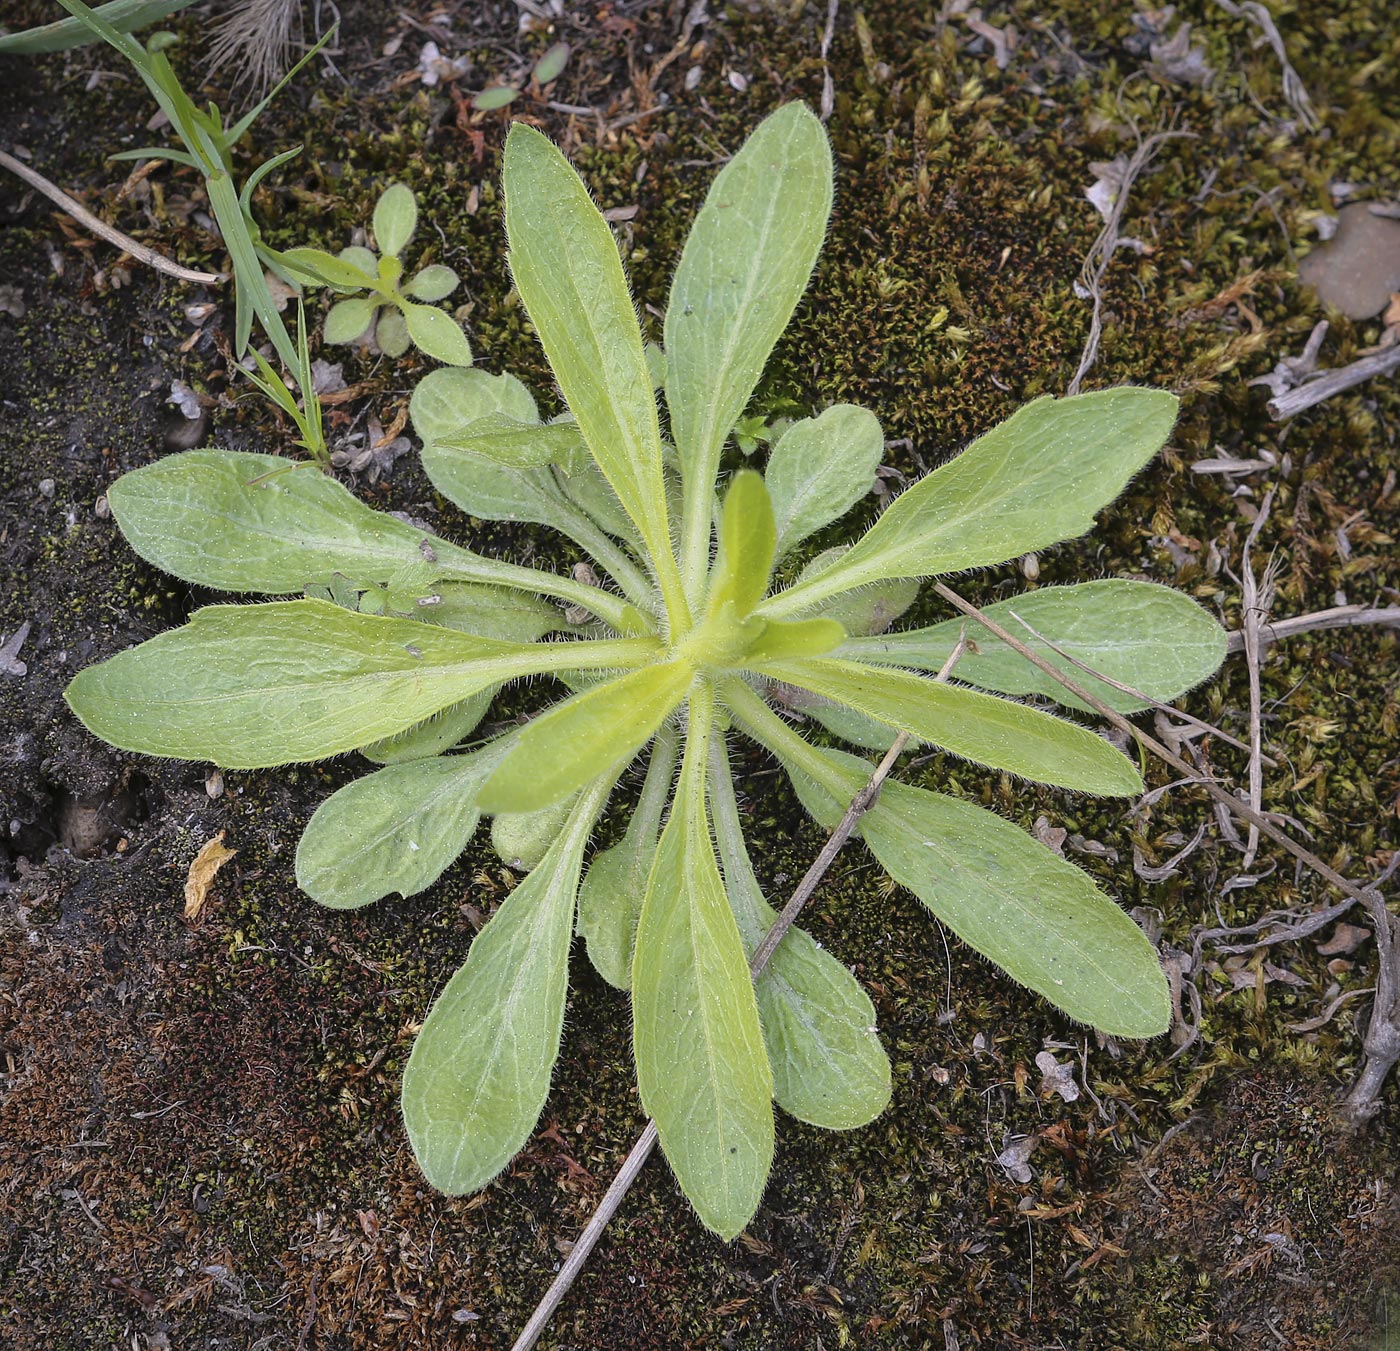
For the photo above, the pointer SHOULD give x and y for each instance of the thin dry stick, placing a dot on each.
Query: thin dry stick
(84, 217)
(1323, 386)
(1101, 251)
(646, 1142)
(1246, 813)
(1339, 617)
(1258, 597)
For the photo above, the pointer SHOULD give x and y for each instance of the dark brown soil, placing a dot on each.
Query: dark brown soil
(199, 1134)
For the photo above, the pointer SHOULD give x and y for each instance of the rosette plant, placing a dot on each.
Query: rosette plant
(701, 625)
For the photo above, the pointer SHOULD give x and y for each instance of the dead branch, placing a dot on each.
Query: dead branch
(1339, 617)
(1327, 384)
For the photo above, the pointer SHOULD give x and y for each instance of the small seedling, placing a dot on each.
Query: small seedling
(706, 624)
(397, 312)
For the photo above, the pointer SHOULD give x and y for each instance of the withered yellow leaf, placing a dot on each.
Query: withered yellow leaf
(206, 863)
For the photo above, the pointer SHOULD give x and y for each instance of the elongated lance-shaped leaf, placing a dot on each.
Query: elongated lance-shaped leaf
(746, 539)
(569, 274)
(829, 1068)
(1040, 919)
(434, 735)
(125, 16)
(1152, 638)
(248, 686)
(820, 468)
(395, 830)
(702, 1068)
(574, 742)
(242, 522)
(979, 727)
(479, 1072)
(615, 885)
(1034, 480)
(743, 269)
(873, 608)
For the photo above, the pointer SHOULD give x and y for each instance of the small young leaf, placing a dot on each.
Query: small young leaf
(248, 686)
(551, 65)
(1150, 637)
(829, 1068)
(498, 96)
(349, 320)
(743, 269)
(587, 735)
(568, 272)
(820, 468)
(446, 401)
(702, 1069)
(391, 333)
(522, 839)
(437, 334)
(433, 735)
(784, 640)
(432, 283)
(979, 727)
(1034, 480)
(395, 219)
(478, 1075)
(746, 537)
(610, 899)
(361, 258)
(392, 831)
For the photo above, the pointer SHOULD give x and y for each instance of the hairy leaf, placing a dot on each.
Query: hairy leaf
(437, 334)
(702, 1069)
(433, 735)
(746, 538)
(253, 685)
(820, 468)
(586, 735)
(1034, 480)
(979, 727)
(348, 319)
(1150, 637)
(479, 1072)
(432, 283)
(395, 219)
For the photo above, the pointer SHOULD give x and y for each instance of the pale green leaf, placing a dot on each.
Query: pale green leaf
(746, 539)
(362, 258)
(610, 899)
(433, 735)
(437, 334)
(248, 686)
(584, 485)
(551, 65)
(743, 269)
(1150, 637)
(348, 320)
(492, 611)
(979, 727)
(445, 401)
(395, 219)
(586, 735)
(568, 272)
(396, 830)
(702, 1068)
(316, 267)
(498, 96)
(242, 522)
(522, 839)
(432, 283)
(520, 445)
(1040, 919)
(479, 1072)
(873, 608)
(820, 468)
(391, 333)
(786, 639)
(1034, 480)
(829, 1068)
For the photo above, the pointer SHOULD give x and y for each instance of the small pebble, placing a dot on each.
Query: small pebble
(46, 488)
(101, 509)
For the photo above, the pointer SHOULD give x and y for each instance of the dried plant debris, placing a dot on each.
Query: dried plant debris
(253, 40)
(1358, 269)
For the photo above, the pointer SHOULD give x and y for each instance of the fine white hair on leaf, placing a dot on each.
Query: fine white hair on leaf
(253, 38)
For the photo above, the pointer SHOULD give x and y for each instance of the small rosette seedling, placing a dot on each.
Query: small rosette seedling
(690, 638)
(396, 311)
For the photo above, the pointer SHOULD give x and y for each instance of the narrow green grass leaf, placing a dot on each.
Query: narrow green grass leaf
(744, 267)
(702, 1068)
(820, 468)
(829, 1068)
(979, 727)
(479, 1072)
(125, 16)
(567, 269)
(1034, 480)
(1150, 637)
(316, 267)
(248, 686)
(584, 736)
(395, 830)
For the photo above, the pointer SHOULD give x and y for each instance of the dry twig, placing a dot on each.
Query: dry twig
(1339, 617)
(99, 227)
